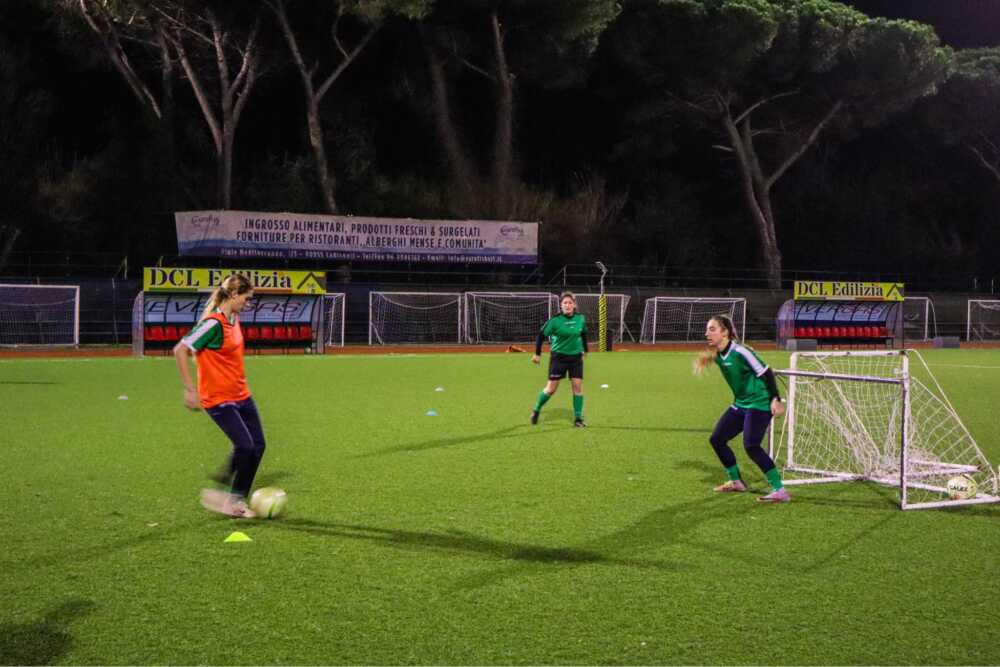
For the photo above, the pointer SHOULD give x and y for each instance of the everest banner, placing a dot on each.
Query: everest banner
(250, 235)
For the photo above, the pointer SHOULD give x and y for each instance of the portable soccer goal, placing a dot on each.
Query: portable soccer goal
(668, 319)
(919, 318)
(39, 315)
(414, 317)
(507, 317)
(982, 320)
(880, 417)
(334, 318)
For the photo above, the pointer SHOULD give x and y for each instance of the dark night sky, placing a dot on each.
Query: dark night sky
(961, 24)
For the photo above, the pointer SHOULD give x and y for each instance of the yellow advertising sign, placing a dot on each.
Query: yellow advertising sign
(820, 290)
(265, 281)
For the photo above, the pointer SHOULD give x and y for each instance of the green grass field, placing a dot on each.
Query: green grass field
(466, 538)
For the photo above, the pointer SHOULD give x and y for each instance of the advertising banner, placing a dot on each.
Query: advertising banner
(819, 290)
(264, 281)
(247, 234)
(185, 309)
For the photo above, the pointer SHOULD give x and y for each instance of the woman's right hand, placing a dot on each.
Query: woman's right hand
(191, 399)
(535, 359)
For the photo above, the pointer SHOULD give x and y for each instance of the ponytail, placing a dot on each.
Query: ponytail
(706, 357)
(230, 287)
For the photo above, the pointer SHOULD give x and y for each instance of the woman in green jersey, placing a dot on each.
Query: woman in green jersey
(567, 334)
(756, 400)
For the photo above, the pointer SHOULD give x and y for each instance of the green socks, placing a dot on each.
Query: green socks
(733, 472)
(578, 405)
(774, 478)
(543, 398)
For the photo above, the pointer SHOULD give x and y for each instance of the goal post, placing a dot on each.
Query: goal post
(507, 317)
(982, 320)
(39, 315)
(879, 417)
(414, 317)
(668, 319)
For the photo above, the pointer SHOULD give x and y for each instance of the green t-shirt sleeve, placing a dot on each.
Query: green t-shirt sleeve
(207, 333)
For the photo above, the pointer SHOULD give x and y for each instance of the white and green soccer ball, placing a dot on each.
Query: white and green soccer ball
(269, 502)
(962, 487)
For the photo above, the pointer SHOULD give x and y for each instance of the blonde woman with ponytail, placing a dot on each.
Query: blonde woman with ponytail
(216, 343)
(756, 401)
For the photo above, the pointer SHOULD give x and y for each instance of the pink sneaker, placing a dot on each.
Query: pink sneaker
(732, 486)
(225, 503)
(779, 496)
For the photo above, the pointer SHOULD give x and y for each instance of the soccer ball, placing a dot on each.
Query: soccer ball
(268, 502)
(962, 487)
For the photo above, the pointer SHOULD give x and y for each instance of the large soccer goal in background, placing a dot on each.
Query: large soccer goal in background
(668, 319)
(982, 320)
(40, 315)
(507, 317)
(334, 319)
(882, 417)
(414, 317)
(589, 306)
(919, 319)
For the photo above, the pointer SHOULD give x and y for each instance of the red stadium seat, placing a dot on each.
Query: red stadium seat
(251, 333)
(838, 332)
(183, 331)
(305, 332)
(883, 332)
(154, 333)
(281, 332)
(800, 332)
(170, 333)
(267, 333)
(869, 332)
(810, 332)
(825, 332)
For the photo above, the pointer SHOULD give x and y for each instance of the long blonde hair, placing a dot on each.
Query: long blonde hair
(230, 287)
(705, 358)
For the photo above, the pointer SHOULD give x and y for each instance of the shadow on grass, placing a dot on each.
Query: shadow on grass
(664, 527)
(28, 382)
(652, 429)
(518, 431)
(43, 642)
(463, 543)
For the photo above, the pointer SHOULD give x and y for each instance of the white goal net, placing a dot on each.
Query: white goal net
(414, 317)
(982, 320)
(589, 306)
(39, 315)
(334, 305)
(882, 417)
(682, 319)
(919, 319)
(507, 317)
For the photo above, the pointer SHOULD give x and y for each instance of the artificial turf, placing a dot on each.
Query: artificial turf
(469, 537)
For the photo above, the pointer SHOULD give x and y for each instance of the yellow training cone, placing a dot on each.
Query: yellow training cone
(238, 537)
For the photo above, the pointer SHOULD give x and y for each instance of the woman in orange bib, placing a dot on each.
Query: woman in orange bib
(216, 342)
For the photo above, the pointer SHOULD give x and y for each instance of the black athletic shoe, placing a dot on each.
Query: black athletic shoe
(534, 417)
(579, 423)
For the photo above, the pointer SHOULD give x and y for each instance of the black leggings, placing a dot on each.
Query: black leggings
(241, 423)
(753, 424)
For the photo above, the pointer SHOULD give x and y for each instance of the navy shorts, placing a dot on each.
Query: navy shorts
(561, 365)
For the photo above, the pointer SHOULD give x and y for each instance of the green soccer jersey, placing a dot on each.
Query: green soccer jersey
(743, 371)
(565, 334)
